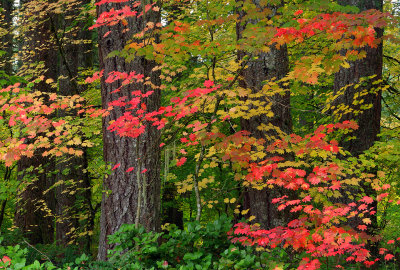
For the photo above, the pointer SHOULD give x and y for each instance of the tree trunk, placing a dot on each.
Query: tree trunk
(74, 53)
(129, 197)
(264, 66)
(7, 39)
(36, 203)
(368, 119)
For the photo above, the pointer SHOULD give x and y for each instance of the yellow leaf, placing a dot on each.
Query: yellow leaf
(366, 220)
(252, 218)
(213, 164)
(244, 212)
(345, 65)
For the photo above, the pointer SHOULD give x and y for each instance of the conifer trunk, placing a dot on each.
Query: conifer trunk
(36, 202)
(262, 67)
(129, 197)
(7, 39)
(70, 195)
(369, 119)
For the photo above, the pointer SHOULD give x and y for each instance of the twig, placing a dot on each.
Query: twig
(26, 242)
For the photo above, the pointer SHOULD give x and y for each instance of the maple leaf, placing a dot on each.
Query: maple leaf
(367, 220)
(381, 196)
(388, 257)
(181, 161)
(298, 12)
(314, 179)
(362, 227)
(130, 169)
(208, 83)
(316, 237)
(362, 207)
(6, 260)
(367, 200)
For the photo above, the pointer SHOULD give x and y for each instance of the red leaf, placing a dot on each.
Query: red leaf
(116, 166)
(367, 200)
(208, 83)
(298, 12)
(181, 161)
(388, 257)
(362, 227)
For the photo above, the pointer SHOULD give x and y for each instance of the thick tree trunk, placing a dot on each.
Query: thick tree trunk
(368, 119)
(36, 203)
(74, 52)
(132, 197)
(264, 66)
(7, 39)
(34, 209)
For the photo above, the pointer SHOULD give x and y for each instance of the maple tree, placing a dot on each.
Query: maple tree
(308, 29)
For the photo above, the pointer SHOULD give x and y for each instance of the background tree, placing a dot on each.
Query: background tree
(369, 117)
(36, 206)
(263, 65)
(359, 90)
(73, 192)
(7, 37)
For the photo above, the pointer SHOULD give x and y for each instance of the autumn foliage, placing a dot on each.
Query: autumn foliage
(312, 172)
(320, 228)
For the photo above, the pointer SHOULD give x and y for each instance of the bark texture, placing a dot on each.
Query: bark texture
(73, 195)
(7, 38)
(36, 203)
(264, 66)
(125, 192)
(368, 120)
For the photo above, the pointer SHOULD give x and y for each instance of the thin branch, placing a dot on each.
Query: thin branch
(43, 254)
(392, 58)
(390, 110)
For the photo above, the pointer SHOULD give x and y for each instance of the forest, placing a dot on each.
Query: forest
(198, 134)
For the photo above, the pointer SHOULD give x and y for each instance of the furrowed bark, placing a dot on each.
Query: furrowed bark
(36, 202)
(123, 192)
(261, 67)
